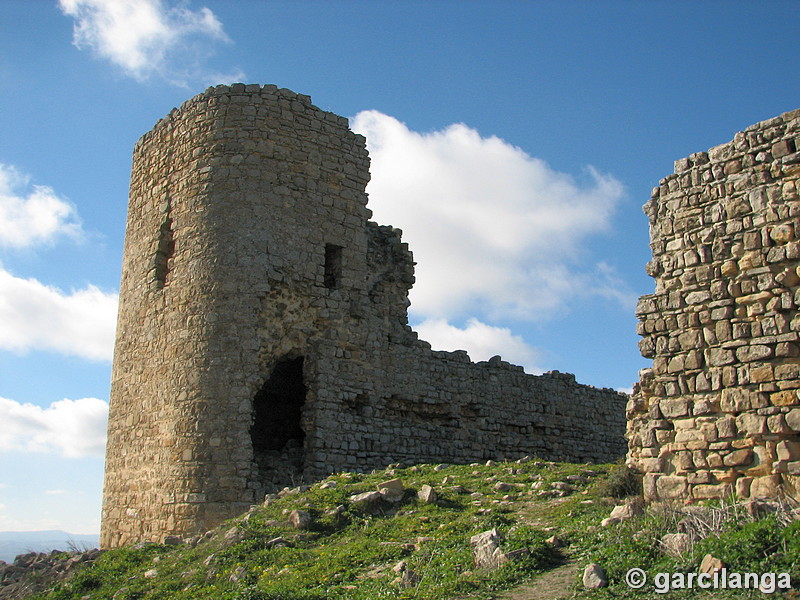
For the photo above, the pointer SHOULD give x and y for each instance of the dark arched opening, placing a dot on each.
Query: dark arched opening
(277, 433)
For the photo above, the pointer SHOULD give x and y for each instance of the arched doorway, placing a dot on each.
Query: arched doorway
(276, 433)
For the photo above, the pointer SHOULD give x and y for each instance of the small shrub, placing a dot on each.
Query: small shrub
(87, 580)
(756, 546)
(621, 482)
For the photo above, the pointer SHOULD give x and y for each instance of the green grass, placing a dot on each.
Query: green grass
(352, 554)
(745, 545)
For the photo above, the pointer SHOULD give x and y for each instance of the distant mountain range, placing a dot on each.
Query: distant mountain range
(13, 543)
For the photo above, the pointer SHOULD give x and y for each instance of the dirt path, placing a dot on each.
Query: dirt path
(556, 584)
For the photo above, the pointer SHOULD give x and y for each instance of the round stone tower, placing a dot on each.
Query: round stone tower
(263, 334)
(247, 221)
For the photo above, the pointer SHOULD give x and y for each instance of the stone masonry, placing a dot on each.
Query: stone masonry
(718, 413)
(263, 338)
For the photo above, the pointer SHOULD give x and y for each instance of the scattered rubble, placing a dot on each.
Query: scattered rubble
(48, 567)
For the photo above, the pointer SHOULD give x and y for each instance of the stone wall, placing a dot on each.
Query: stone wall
(718, 412)
(263, 336)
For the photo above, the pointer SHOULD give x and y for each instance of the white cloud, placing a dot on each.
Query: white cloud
(494, 230)
(34, 316)
(32, 216)
(481, 341)
(70, 428)
(147, 37)
(55, 492)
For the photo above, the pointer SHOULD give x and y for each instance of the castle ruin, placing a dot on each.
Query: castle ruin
(262, 335)
(718, 413)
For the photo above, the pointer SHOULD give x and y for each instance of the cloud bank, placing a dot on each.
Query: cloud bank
(69, 428)
(498, 235)
(148, 37)
(34, 316)
(492, 228)
(30, 217)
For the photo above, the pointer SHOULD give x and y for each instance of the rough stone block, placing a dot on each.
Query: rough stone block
(674, 407)
(753, 353)
(392, 490)
(705, 492)
(300, 519)
(787, 450)
(486, 551)
(735, 400)
(793, 419)
(751, 423)
(717, 357)
(711, 564)
(427, 494)
(671, 487)
(738, 458)
(785, 398)
(594, 577)
(765, 487)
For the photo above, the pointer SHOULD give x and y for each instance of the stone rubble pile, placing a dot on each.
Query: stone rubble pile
(33, 572)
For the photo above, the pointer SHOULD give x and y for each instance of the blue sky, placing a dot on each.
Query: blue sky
(513, 142)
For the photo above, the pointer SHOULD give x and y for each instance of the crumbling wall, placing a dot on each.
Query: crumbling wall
(253, 285)
(718, 412)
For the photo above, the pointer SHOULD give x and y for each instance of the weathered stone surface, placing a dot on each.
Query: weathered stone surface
(785, 398)
(367, 499)
(391, 490)
(486, 551)
(263, 335)
(793, 419)
(626, 511)
(671, 487)
(766, 486)
(594, 577)
(738, 458)
(787, 450)
(300, 519)
(427, 494)
(711, 564)
(723, 326)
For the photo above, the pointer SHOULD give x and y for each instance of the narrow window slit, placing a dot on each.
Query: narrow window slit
(164, 253)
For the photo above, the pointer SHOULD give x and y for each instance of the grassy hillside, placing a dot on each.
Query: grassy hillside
(548, 515)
